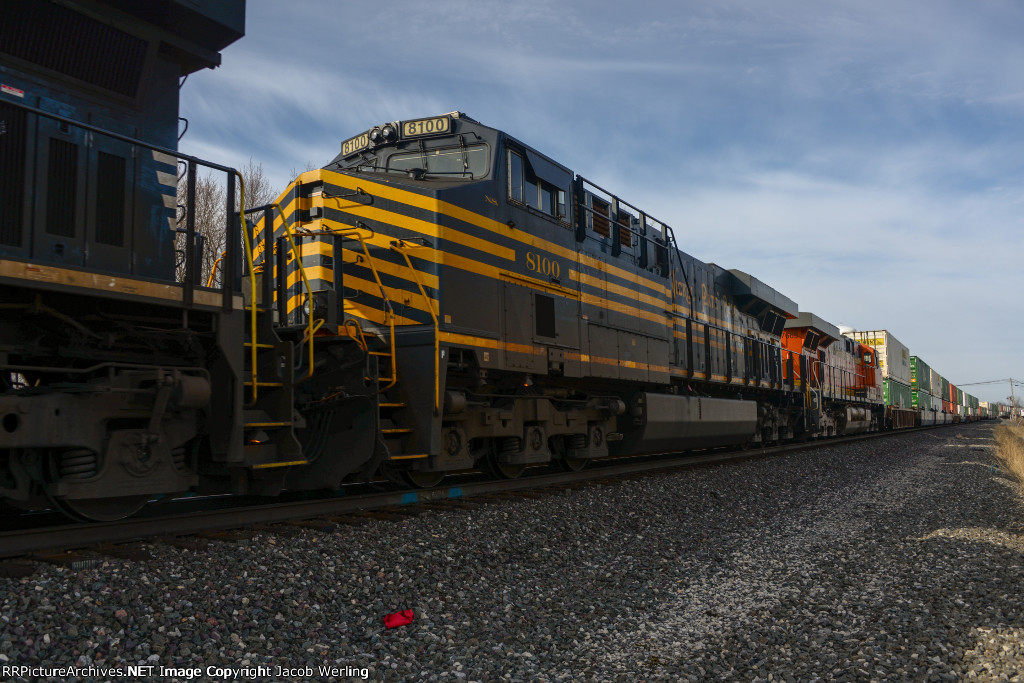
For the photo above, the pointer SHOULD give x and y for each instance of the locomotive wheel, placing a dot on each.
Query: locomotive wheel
(423, 480)
(81, 463)
(100, 510)
(503, 469)
(573, 464)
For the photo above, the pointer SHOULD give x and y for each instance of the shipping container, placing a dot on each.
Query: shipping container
(935, 382)
(920, 375)
(923, 401)
(897, 394)
(893, 356)
(944, 393)
(960, 397)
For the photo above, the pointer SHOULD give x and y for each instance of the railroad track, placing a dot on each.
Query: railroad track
(48, 541)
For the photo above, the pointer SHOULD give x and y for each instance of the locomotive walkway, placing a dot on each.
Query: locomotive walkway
(895, 558)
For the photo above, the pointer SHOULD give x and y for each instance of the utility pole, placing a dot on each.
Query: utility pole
(1013, 400)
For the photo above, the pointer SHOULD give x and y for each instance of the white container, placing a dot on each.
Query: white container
(893, 356)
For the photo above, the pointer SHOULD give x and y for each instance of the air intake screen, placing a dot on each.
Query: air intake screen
(61, 188)
(12, 174)
(70, 43)
(110, 182)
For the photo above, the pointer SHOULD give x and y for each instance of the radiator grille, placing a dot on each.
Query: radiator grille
(110, 184)
(62, 188)
(73, 44)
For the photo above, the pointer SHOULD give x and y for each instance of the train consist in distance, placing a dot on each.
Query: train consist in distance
(440, 297)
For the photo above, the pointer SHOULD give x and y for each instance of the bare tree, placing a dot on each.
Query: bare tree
(294, 172)
(258, 191)
(209, 211)
(210, 206)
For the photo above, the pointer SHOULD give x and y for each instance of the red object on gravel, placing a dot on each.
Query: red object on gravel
(398, 618)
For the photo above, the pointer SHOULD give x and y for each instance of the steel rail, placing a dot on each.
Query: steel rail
(75, 536)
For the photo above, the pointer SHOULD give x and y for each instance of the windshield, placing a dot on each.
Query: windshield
(459, 161)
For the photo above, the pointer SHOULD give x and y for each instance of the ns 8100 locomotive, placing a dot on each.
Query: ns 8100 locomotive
(519, 314)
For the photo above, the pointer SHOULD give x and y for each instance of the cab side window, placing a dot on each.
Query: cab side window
(538, 184)
(515, 177)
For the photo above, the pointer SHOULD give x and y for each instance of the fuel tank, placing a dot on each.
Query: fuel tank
(664, 423)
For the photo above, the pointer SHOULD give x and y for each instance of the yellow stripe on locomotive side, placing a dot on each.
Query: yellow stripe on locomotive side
(419, 226)
(441, 257)
(397, 270)
(459, 213)
(494, 344)
(412, 299)
(592, 281)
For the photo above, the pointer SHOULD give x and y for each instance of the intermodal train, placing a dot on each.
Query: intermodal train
(439, 297)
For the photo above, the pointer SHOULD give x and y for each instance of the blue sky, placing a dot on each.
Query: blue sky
(865, 158)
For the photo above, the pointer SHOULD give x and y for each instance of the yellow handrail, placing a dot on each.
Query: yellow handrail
(358, 336)
(213, 269)
(388, 313)
(398, 246)
(310, 327)
(247, 241)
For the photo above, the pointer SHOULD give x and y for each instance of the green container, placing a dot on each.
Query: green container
(921, 400)
(945, 389)
(960, 397)
(920, 375)
(897, 394)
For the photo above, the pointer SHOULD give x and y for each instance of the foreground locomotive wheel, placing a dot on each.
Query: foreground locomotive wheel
(100, 510)
(503, 469)
(572, 464)
(423, 480)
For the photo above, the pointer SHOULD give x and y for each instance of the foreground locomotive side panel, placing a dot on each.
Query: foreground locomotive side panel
(107, 394)
(124, 379)
(81, 200)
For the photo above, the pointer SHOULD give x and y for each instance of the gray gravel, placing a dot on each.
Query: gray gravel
(893, 559)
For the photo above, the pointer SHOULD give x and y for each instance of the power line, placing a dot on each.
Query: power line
(994, 381)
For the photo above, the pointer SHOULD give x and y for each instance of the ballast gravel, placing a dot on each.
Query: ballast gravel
(891, 559)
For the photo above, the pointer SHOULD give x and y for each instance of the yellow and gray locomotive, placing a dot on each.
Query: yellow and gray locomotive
(517, 313)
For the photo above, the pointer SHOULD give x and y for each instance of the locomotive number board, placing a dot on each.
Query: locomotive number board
(355, 144)
(433, 126)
